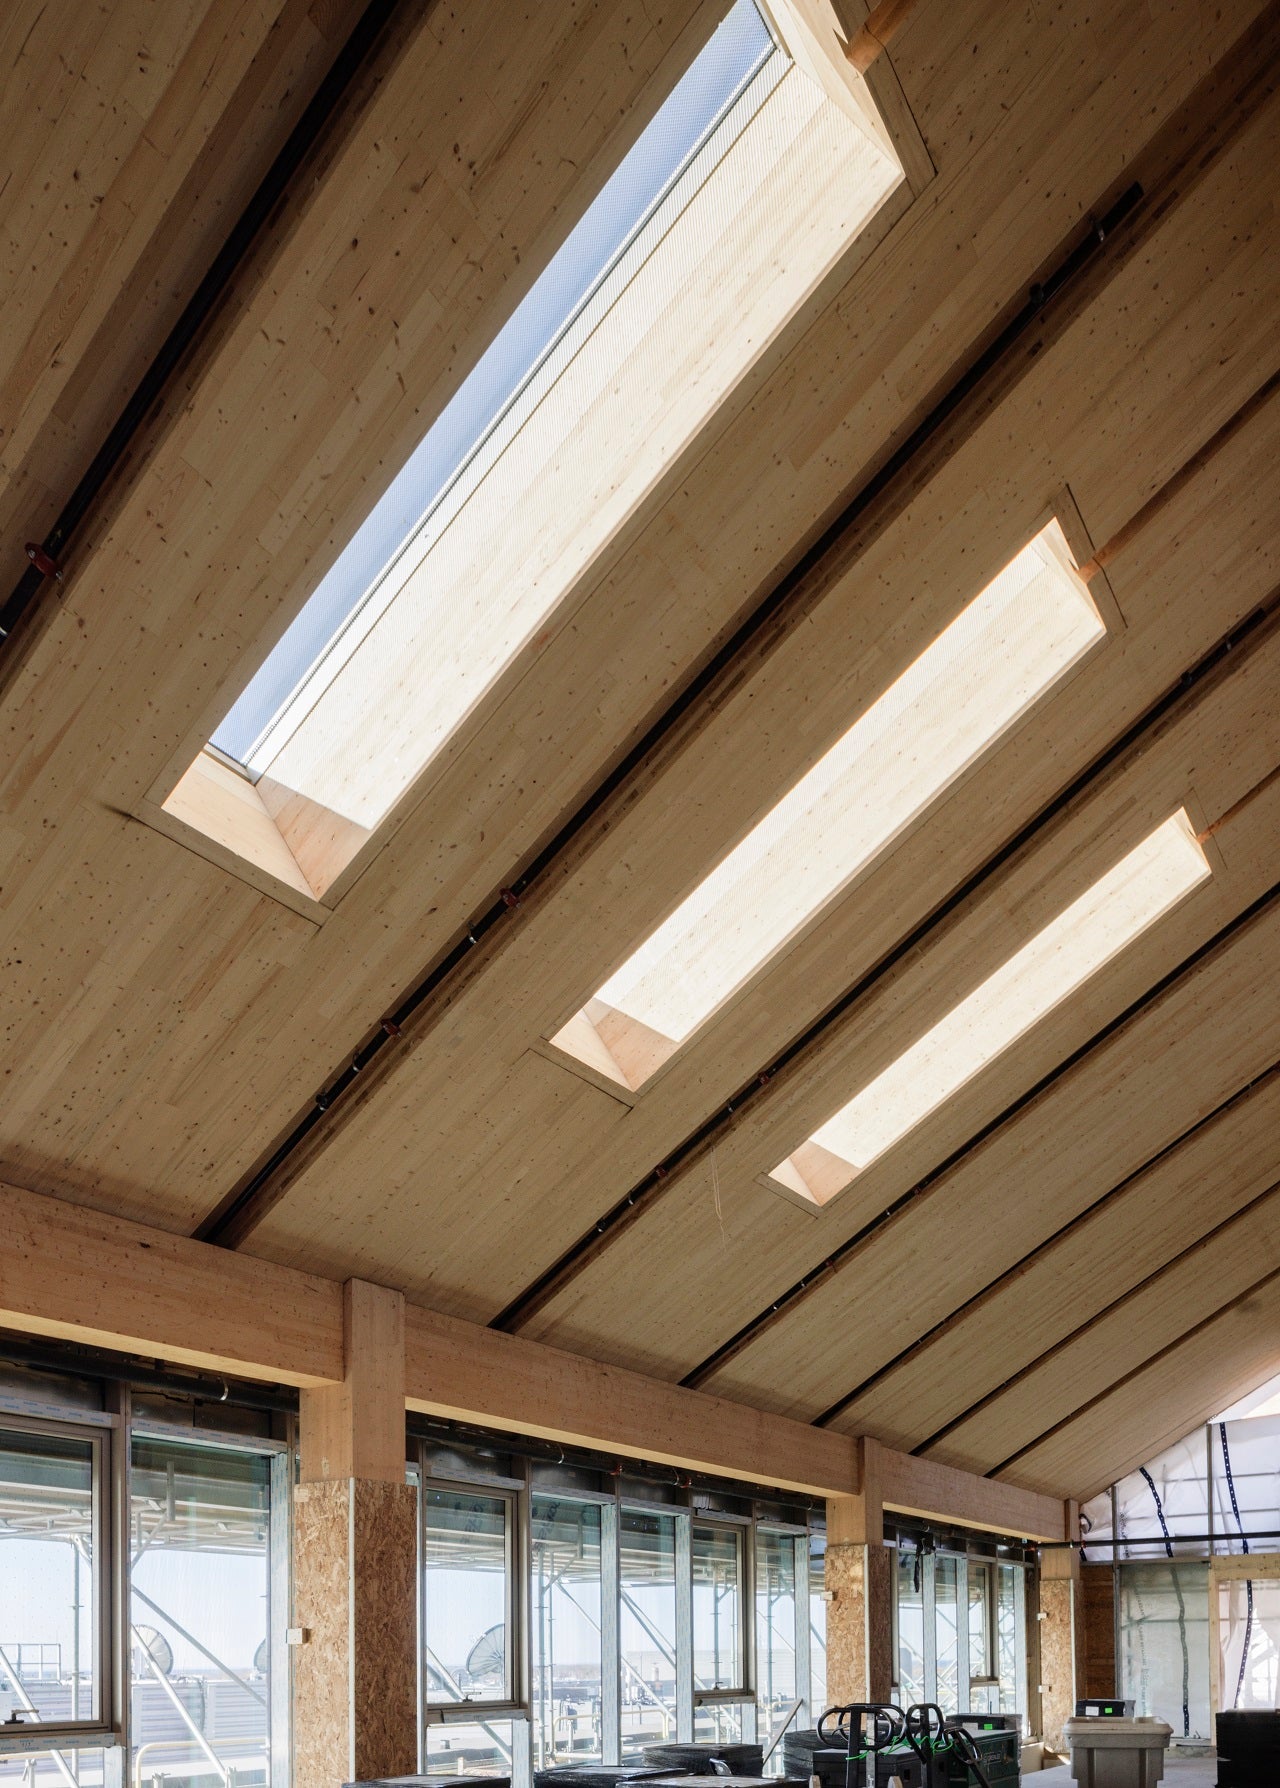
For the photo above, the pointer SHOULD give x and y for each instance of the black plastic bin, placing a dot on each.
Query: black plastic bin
(1248, 1749)
(697, 1759)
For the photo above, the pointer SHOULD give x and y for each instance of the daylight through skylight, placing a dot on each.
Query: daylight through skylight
(1118, 908)
(1004, 650)
(737, 198)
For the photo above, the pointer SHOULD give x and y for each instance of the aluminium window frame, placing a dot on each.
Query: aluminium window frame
(281, 1457)
(803, 1653)
(743, 1527)
(987, 1566)
(108, 1437)
(515, 1703)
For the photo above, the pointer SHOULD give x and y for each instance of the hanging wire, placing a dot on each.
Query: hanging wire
(1248, 1582)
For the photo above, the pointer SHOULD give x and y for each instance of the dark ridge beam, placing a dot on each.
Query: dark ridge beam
(1084, 1328)
(1127, 1377)
(840, 1257)
(23, 605)
(946, 1324)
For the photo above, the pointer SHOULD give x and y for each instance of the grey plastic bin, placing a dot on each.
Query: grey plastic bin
(1108, 1753)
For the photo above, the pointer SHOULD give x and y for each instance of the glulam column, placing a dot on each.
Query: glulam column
(1061, 1623)
(355, 1560)
(858, 1581)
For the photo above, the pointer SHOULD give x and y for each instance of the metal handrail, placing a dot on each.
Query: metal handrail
(183, 1744)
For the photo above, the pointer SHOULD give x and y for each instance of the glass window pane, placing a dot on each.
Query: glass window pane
(565, 1631)
(48, 1605)
(817, 1627)
(50, 1769)
(1007, 1635)
(717, 1607)
(775, 1628)
(946, 1622)
(199, 1612)
(647, 1576)
(465, 1559)
(981, 1660)
(479, 1748)
(719, 1723)
(910, 1671)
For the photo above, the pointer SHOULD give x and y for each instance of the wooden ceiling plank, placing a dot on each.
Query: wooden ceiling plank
(416, 1106)
(1221, 1268)
(154, 147)
(1132, 1231)
(782, 1246)
(1186, 1385)
(989, 1211)
(357, 980)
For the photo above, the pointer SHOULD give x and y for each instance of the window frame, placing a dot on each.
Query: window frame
(108, 1439)
(280, 1457)
(517, 1564)
(743, 1529)
(987, 1566)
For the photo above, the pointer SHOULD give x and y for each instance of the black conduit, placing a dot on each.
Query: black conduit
(302, 139)
(1248, 1585)
(73, 1360)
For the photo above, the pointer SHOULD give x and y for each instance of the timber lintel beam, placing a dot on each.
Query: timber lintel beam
(81, 1275)
(912, 1486)
(460, 1370)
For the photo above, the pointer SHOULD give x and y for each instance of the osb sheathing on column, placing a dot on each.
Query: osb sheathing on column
(355, 1550)
(1060, 1637)
(859, 1623)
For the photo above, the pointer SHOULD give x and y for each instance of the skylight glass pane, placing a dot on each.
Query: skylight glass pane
(733, 56)
(738, 197)
(1012, 642)
(1142, 888)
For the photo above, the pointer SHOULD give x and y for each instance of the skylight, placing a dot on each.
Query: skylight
(1139, 890)
(739, 195)
(1002, 652)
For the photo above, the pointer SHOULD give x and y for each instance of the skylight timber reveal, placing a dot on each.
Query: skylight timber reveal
(1001, 654)
(1143, 886)
(739, 196)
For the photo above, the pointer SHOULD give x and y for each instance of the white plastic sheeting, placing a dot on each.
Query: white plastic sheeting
(1223, 1480)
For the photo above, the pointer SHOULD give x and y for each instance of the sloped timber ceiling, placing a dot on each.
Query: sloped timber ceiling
(1068, 1262)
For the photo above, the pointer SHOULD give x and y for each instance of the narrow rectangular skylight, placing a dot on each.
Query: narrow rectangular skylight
(1141, 888)
(1002, 652)
(740, 194)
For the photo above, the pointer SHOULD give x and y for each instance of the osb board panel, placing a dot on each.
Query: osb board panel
(132, 136)
(1189, 1383)
(905, 586)
(292, 424)
(1139, 1228)
(355, 1680)
(844, 1583)
(1057, 1625)
(384, 1534)
(322, 1603)
(771, 1244)
(1097, 1582)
